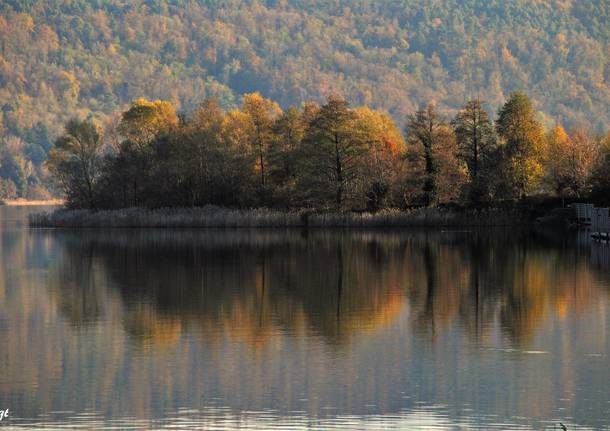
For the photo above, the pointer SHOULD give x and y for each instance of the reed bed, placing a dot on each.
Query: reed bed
(218, 217)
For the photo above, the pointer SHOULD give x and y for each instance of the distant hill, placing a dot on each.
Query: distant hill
(60, 58)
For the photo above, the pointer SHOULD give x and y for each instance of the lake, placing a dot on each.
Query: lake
(319, 329)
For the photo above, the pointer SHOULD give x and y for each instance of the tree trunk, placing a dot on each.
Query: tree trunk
(339, 175)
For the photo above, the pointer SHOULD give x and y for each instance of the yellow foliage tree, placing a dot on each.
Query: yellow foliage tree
(569, 162)
(144, 120)
(523, 139)
(385, 145)
(262, 113)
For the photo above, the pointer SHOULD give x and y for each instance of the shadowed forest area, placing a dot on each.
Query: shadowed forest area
(325, 157)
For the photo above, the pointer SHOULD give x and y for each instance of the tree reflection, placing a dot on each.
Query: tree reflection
(334, 284)
(241, 284)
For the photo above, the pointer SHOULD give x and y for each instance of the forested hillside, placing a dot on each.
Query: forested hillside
(90, 58)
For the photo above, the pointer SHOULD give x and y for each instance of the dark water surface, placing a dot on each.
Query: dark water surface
(290, 329)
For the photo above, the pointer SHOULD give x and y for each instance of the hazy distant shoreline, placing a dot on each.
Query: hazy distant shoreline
(219, 217)
(30, 202)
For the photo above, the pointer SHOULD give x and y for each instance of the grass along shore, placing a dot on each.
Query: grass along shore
(215, 217)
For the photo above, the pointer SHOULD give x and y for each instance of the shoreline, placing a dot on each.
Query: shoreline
(30, 202)
(219, 217)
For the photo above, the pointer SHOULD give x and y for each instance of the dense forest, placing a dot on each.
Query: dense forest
(89, 59)
(329, 156)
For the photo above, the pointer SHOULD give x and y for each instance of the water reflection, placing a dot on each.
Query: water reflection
(180, 328)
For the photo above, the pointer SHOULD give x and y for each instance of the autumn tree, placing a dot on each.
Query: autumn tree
(8, 189)
(522, 139)
(332, 155)
(203, 147)
(385, 147)
(424, 131)
(262, 113)
(289, 130)
(474, 133)
(237, 163)
(600, 178)
(17, 170)
(15, 167)
(569, 162)
(452, 172)
(140, 125)
(144, 120)
(119, 173)
(556, 163)
(75, 161)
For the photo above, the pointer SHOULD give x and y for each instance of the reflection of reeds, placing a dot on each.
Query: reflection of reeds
(211, 216)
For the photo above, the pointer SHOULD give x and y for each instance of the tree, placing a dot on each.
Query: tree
(570, 161)
(8, 190)
(557, 163)
(144, 120)
(289, 131)
(332, 155)
(17, 170)
(452, 173)
(522, 139)
(475, 137)
(236, 165)
(600, 178)
(203, 142)
(385, 147)
(424, 131)
(117, 177)
(139, 126)
(14, 165)
(75, 160)
(263, 113)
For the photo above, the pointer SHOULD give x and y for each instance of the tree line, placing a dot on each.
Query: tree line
(328, 156)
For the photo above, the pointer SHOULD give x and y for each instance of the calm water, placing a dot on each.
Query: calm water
(288, 329)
